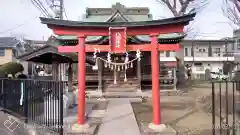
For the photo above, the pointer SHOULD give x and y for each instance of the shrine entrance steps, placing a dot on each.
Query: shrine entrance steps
(131, 85)
(119, 119)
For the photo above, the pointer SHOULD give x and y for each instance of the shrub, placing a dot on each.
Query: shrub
(11, 68)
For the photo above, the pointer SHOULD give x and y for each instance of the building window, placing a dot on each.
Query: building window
(199, 66)
(238, 44)
(217, 51)
(2, 52)
(192, 52)
(14, 53)
(209, 51)
(167, 53)
(186, 51)
(233, 46)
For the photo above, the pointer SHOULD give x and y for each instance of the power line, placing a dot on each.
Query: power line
(61, 9)
(19, 25)
(38, 4)
(41, 4)
(50, 4)
(34, 4)
(57, 6)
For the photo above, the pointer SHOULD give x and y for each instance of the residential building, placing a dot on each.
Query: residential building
(10, 48)
(206, 54)
(33, 44)
(235, 48)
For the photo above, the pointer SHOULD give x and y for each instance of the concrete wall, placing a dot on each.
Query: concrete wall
(213, 66)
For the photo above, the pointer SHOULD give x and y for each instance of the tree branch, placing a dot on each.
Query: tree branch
(231, 10)
(236, 3)
(169, 6)
(175, 4)
(184, 5)
(180, 7)
(181, 2)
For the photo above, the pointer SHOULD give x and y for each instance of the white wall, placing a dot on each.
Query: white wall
(204, 50)
(213, 66)
(163, 54)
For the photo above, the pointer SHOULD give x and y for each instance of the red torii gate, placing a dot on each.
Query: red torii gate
(115, 29)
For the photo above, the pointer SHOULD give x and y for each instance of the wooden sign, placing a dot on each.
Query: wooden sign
(117, 39)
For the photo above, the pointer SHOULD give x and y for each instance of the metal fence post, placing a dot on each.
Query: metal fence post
(25, 97)
(227, 112)
(4, 96)
(213, 108)
(233, 109)
(220, 106)
(61, 106)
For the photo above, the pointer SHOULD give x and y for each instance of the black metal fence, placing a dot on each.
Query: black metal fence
(37, 101)
(225, 108)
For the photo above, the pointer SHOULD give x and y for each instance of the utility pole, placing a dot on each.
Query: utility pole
(61, 9)
(57, 7)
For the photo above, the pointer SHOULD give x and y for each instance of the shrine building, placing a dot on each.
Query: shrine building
(111, 78)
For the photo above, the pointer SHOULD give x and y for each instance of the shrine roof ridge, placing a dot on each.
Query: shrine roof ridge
(168, 21)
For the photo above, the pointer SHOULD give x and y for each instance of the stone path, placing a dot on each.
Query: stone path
(11, 125)
(119, 119)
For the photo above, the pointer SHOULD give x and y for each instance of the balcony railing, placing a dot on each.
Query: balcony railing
(213, 54)
(228, 54)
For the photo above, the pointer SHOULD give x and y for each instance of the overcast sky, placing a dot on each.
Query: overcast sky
(20, 17)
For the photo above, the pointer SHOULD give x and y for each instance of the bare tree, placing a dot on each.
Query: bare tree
(231, 9)
(181, 7)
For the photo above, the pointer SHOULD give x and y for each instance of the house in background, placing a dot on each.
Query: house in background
(207, 54)
(235, 48)
(10, 48)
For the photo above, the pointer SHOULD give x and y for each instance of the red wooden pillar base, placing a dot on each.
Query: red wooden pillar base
(155, 80)
(81, 80)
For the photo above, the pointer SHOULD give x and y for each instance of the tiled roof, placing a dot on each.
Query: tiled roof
(10, 42)
(168, 21)
(123, 18)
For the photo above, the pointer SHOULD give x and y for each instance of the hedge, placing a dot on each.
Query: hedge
(11, 68)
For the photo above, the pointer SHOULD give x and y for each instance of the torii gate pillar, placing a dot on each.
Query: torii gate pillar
(155, 79)
(81, 79)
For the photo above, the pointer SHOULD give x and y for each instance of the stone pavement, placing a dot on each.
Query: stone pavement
(119, 119)
(11, 125)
